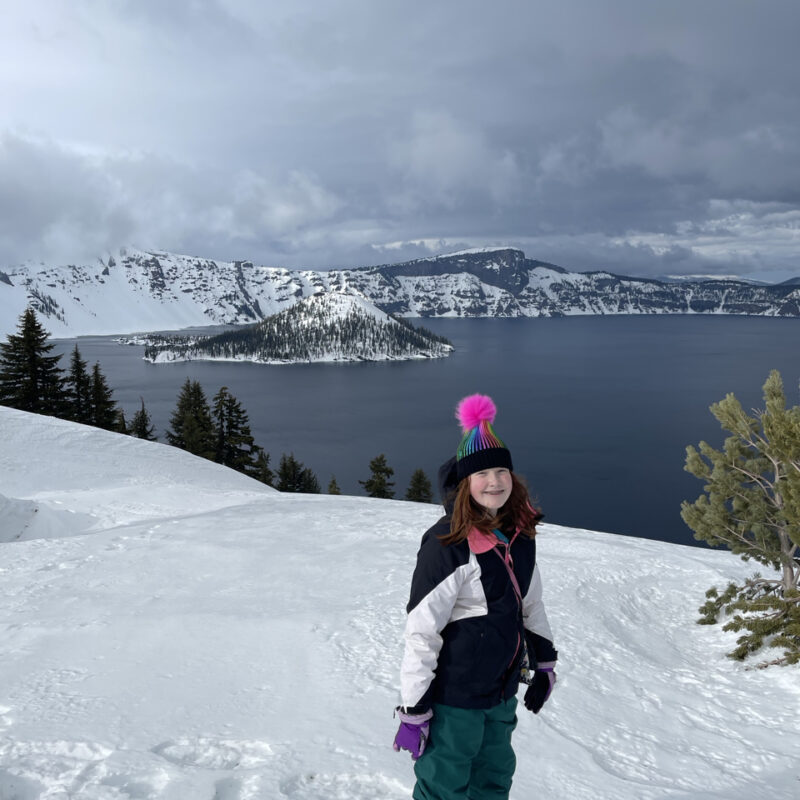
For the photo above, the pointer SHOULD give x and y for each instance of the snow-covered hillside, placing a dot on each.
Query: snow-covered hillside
(181, 632)
(133, 291)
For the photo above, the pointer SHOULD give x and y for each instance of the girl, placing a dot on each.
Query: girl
(475, 608)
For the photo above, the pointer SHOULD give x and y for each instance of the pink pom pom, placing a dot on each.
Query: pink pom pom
(474, 409)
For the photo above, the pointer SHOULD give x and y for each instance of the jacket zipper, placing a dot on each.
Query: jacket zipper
(509, 566)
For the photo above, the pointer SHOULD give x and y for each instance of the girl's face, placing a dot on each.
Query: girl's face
(490, 488)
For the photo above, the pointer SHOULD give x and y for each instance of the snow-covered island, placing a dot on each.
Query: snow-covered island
(324, 327)
(174, 630)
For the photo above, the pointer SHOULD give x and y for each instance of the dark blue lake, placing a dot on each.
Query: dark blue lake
(597, 411)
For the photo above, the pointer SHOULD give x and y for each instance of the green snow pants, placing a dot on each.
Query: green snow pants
(469, 756)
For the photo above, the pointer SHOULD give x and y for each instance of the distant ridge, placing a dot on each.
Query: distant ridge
(136, 290)
(702, 278)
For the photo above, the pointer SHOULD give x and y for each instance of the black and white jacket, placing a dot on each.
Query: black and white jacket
(465, 626)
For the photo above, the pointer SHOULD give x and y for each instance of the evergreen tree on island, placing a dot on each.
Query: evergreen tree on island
(77, 385)
(234, 442)
(752, 506)
(420, 489)
(30, 378)
(142, 425)
(191, 426)
(378, 483)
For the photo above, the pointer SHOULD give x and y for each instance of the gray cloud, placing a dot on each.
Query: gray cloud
(642, 137)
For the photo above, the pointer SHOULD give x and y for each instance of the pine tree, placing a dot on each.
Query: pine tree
(333, 487)
(378, 483)
(30, 379)
(120, 424)
(198, 438)
(192, 428)
(308, 482)
(262, 471)
(142, 425)
(77, 386)
(289, 472)
(752, 506)
(420, 489)
(294, 477)
(104, 412)
(234, 442)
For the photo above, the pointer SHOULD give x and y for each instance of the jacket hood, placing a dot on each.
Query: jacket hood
(448, 483)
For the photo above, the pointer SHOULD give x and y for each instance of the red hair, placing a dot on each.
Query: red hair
(518, 513)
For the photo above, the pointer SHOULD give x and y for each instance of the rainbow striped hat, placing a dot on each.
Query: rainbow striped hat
(481, 448)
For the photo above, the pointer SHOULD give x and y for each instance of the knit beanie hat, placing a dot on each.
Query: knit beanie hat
(481, 448)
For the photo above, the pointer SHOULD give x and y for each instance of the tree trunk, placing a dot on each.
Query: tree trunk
(789, 564)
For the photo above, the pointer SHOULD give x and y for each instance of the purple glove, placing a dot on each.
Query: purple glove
(544, 679)
(412, 735)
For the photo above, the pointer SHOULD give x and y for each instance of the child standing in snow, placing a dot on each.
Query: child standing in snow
(475, 608)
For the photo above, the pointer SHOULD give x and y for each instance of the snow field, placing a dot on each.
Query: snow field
(211, 639)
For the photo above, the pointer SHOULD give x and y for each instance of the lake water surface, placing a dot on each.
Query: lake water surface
(597, 411)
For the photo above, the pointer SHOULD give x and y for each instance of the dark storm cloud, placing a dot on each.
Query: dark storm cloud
(645, 137)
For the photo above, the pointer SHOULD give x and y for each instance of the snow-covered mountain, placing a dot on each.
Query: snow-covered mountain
(174, 630)
(148, 291)
(324, 327)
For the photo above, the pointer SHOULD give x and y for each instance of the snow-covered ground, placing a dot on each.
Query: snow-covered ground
(172, 630)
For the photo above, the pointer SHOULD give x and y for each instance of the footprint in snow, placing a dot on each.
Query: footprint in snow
(343, 786)
(16, 787)
(215, 753)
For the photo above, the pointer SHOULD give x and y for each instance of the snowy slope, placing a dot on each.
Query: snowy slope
(211, 638)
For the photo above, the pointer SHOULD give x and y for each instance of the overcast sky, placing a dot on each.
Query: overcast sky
(639, 136)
